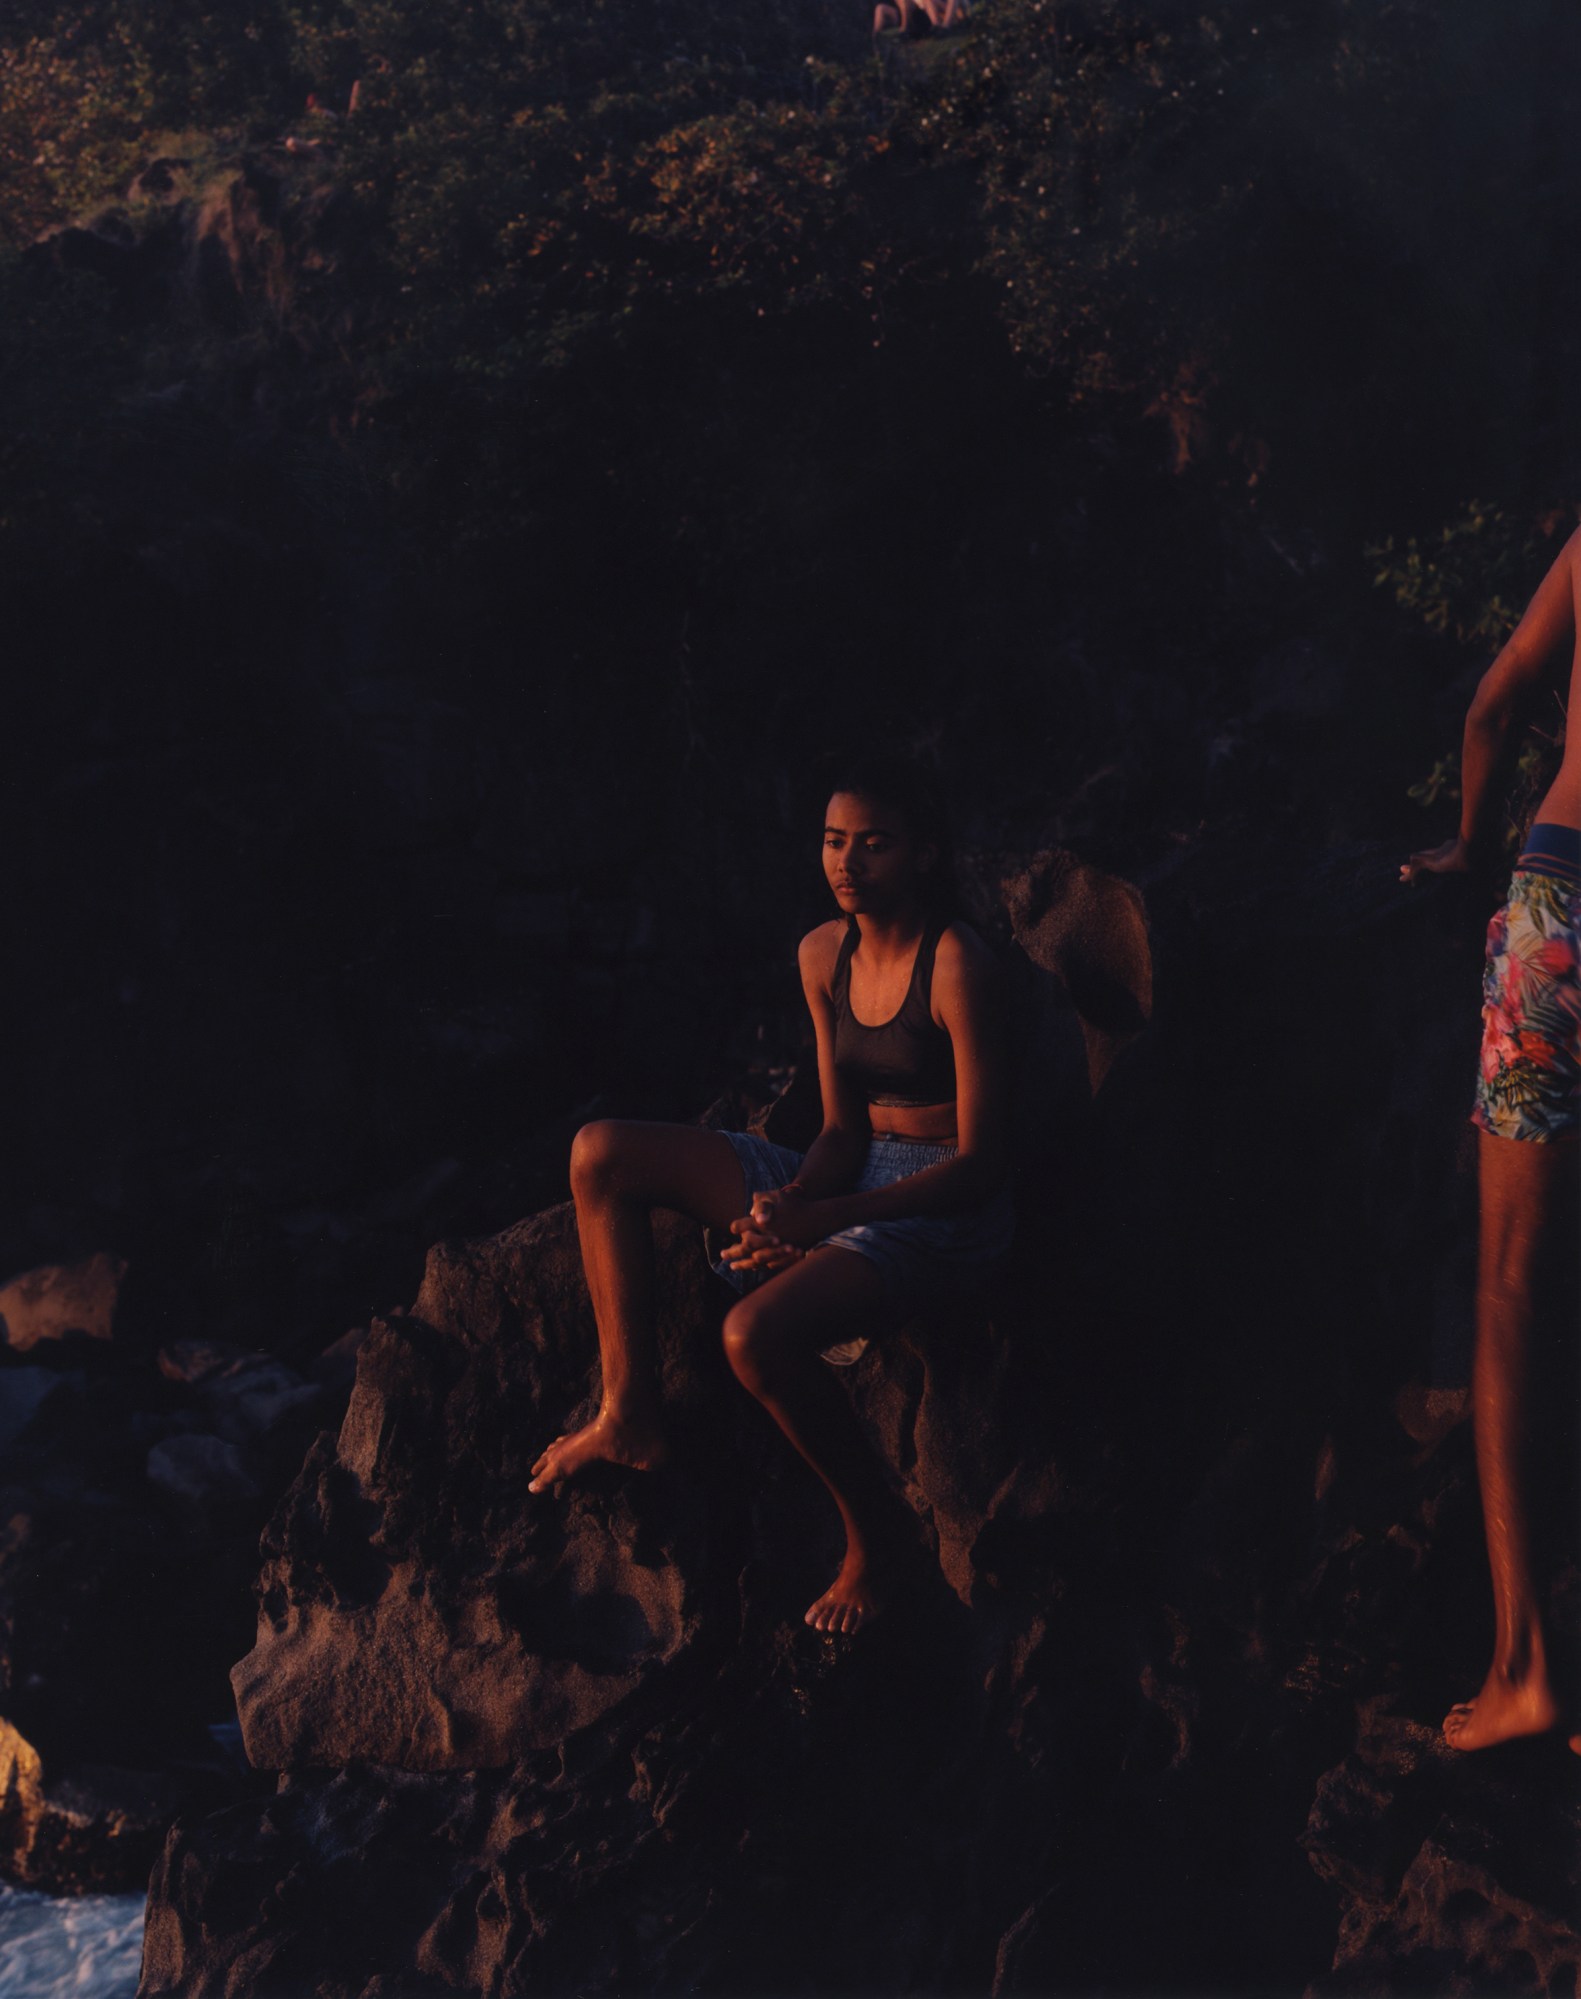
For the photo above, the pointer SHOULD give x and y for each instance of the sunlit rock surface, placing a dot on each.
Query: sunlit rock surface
(62, 1302)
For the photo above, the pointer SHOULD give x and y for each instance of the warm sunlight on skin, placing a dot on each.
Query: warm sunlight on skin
(807, 1299)
(1528, 1193)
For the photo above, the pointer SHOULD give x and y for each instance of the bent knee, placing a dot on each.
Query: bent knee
(753, 1336)
(595, 1156)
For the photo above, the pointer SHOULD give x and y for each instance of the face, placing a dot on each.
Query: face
(870, 858)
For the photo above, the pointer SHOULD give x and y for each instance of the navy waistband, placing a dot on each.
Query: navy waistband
(1552, 850)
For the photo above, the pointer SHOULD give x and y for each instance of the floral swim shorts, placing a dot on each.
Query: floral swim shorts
(1530, 1081)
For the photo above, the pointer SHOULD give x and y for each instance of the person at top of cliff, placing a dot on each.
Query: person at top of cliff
(901, 1197)
(914, 19)
(1528, 1113)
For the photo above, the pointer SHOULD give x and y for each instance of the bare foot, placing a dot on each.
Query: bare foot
(640, 1446)
(852, 1600)
(1504, 1710)
(877, 1569)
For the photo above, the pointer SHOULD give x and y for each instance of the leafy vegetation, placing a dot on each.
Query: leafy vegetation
(730, 306)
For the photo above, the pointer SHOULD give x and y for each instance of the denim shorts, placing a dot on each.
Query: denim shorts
(921, 1257)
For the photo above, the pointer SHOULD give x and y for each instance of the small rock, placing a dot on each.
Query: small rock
(23, 1393)
(203, 1468)
(193, 1361)
(60, 1300)
(253, 1397)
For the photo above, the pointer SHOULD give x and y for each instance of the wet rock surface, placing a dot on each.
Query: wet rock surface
(132, 1488)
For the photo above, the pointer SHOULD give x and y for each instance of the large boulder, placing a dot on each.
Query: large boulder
(417, 1606)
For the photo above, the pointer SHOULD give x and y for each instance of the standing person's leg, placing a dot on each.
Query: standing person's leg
(774, 1338)
(1528, 1195)
(619, 1173)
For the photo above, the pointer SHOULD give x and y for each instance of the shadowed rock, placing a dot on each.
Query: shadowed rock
(417, 1606)
(1177, 1573)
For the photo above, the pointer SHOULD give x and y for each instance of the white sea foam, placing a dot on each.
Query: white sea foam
(69, 1946)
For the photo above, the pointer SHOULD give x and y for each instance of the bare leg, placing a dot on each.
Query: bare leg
(619, 1173)
(1527, 1193)
(773, 1339)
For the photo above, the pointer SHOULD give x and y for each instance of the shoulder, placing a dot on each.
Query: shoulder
(966, 977)
(818, 950)
(963, 956)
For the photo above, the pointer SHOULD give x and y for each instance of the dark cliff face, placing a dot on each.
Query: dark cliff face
(350, 874)
(1163, 1719)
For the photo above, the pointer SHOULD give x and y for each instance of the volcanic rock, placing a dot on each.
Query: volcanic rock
(92, 1827)
(206, 1470)
(62, 1301)
(1456, 1872)
(24, 1391)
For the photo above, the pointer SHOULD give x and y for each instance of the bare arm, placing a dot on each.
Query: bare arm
(835, 1156)
(1545, 635)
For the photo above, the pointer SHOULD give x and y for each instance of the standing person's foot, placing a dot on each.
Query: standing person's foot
(638, 1444)
(1503, 1711)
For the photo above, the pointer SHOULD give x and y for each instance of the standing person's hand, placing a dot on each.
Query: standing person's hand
(1452, 858)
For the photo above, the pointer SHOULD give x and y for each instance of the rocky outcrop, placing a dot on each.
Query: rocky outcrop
(95, 1826)
(1162, 1715)
(1455, 1874)
(132, 1487)
(416, 1608)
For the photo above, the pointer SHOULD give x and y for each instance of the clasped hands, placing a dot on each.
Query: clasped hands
(781, 1228)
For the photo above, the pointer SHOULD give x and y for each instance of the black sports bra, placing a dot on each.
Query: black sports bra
(908, 1061)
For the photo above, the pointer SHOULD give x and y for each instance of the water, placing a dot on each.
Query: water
(69, 1946)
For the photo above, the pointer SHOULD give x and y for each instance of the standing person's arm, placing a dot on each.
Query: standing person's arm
(1547, 632)
(835, 1156)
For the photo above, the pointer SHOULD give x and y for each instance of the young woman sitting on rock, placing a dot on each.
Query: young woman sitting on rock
(901, 1197)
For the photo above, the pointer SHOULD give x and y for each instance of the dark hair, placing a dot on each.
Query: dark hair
(891, 777)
